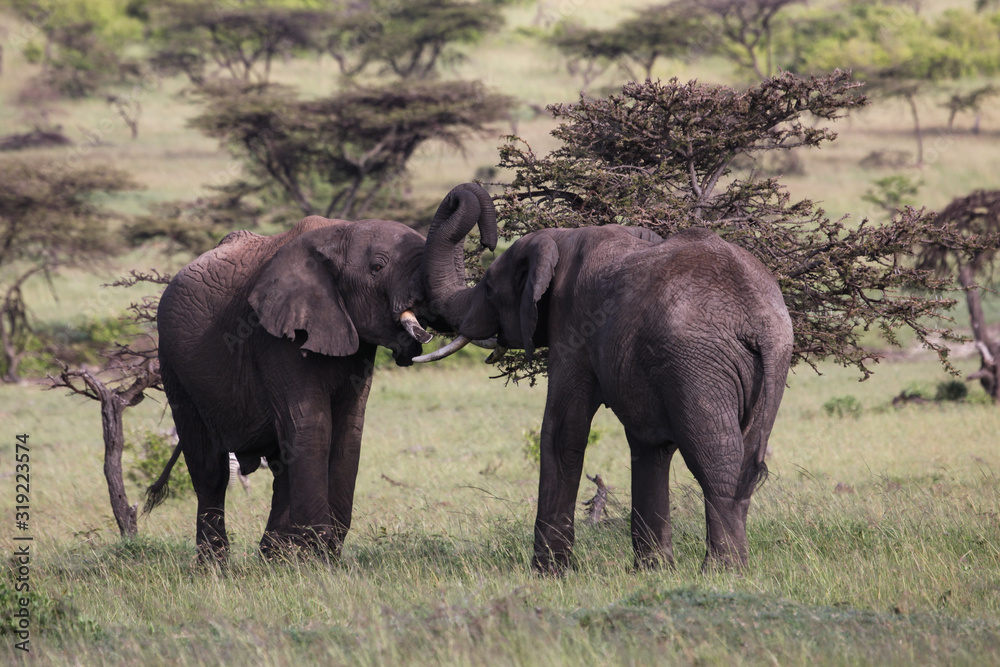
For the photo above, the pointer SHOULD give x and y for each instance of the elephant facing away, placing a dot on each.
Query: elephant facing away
(687, 339)
(267, 346)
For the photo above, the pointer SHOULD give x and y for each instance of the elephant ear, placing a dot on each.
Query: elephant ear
(297, 291)
(542, 256)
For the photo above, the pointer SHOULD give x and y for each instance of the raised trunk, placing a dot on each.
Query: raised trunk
(444, 258)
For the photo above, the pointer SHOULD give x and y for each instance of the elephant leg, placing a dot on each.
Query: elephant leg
(712, 446)
(569, 410)
(278, 524)
(651, 533)
(208, 466)
(304, 440)
(345, 450)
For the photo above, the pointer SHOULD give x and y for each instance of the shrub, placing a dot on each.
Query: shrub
(953, 390)
(843, 406)
(153, 450)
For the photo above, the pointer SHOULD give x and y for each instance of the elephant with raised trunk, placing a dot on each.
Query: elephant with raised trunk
(687, 339)
(267, 346)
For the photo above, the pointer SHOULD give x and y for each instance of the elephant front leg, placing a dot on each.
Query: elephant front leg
(651, 532)
(278, 524)
(304, 454)
(348, 412)
(565, 429)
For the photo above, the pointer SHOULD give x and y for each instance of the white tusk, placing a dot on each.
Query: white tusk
(412, 326)
(448, 350)
(486, 343)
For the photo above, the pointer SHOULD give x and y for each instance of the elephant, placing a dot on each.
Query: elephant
(686, 339)
(267, 348)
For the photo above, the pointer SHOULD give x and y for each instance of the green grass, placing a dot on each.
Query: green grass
(876, 539)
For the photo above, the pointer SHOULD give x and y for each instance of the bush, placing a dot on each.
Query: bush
(153, 450)
(843, 406)
(953, 390)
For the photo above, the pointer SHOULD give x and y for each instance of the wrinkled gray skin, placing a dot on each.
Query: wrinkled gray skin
(266, 349)
(686, 339)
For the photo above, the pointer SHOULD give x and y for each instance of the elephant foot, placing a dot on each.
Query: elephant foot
(213, 555)
(653, 561)
(731, 563)
(306, 543)
(551, 565)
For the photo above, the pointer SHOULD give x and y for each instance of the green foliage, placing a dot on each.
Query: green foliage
(953, 390)
(83, 42)
(333, 156)
(893, 193)
(843, 406)
(152, 450)
(49, 220)
(409, 39)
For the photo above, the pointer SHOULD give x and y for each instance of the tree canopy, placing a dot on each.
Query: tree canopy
(659, 156)
(47, 220)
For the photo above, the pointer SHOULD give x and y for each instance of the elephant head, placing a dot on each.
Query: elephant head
(506, 303)
(331, 288)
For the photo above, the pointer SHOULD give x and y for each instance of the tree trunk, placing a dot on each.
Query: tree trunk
(989, 350)
(112, 408)
(916, 129)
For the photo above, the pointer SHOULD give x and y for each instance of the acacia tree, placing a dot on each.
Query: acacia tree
(746, 28)
(977, 216)
(900, 54)
(212, 39)
(78, 43)
(335, 155)
(47, 221)
(409, 39)
(659, 156)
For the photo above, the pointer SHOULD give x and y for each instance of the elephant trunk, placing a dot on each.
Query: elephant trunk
(465, 206)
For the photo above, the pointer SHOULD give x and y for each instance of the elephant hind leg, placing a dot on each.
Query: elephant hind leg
(651, 532)
(713, 449)
(208, 465)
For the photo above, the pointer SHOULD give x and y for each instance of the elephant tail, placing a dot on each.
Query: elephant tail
(775, 356)
(157, 493)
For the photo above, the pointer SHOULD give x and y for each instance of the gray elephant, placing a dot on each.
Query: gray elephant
(267, 346)
(687, 339)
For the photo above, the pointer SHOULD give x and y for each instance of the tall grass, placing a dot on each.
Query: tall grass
(876, 539)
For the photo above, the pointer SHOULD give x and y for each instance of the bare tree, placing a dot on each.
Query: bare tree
(976, 215)
(132, 370)
(747, 26)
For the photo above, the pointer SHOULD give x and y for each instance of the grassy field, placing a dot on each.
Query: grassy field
(876, 538)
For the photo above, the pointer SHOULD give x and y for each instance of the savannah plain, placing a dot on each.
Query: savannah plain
(875, 540)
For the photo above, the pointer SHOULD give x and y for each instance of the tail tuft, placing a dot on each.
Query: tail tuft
(155, 495)
(158, 492)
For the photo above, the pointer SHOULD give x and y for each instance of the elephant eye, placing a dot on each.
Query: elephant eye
(489, 291)
(377, 266)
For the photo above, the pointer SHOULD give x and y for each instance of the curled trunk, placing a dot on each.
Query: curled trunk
(463, 208)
